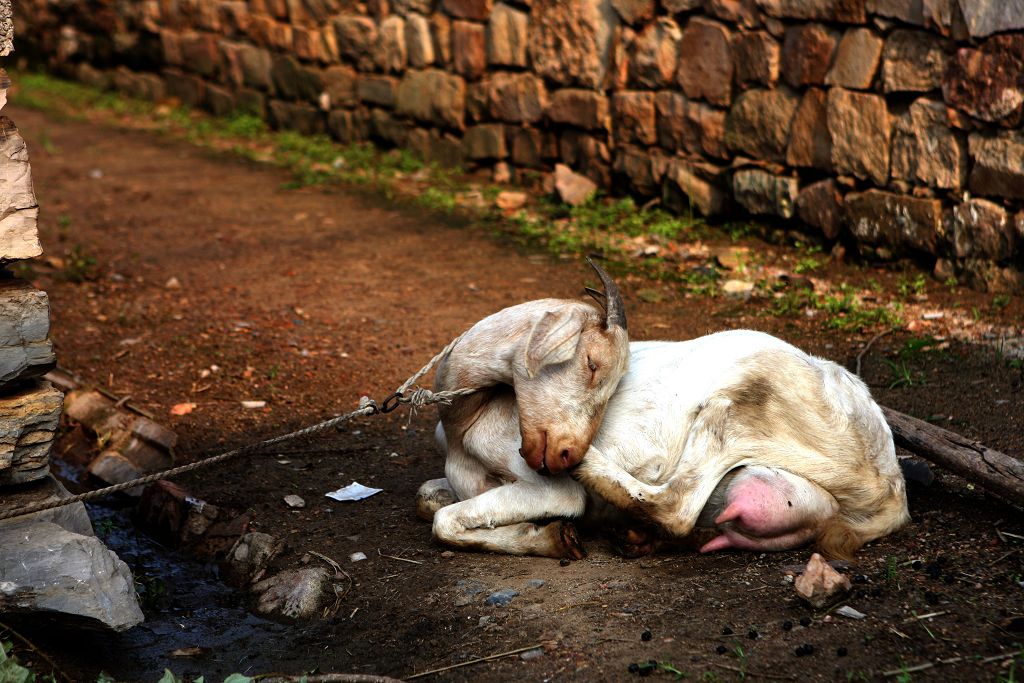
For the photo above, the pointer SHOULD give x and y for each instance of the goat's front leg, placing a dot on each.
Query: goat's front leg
(498, 520)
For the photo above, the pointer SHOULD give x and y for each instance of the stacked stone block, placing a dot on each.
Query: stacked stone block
(890, 123)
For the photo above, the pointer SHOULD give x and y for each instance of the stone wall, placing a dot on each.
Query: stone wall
(890, 123)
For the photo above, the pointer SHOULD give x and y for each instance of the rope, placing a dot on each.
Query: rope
(418, 398)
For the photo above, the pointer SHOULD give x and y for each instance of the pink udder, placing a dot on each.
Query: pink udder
(764, 512)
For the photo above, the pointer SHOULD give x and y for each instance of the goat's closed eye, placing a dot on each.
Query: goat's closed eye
(591, 364)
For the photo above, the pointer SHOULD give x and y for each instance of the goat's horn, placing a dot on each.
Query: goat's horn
(615, 311)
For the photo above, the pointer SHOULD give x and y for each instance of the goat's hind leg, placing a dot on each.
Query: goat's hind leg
(497, 519)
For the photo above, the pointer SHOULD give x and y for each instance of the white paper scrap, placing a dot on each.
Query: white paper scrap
(354, 491)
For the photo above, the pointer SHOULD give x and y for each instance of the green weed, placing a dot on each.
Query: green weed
(78, 265)
(1000, 301)
(907, 288)
(900, 374)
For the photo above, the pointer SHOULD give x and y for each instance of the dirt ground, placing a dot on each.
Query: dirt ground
(310, 298)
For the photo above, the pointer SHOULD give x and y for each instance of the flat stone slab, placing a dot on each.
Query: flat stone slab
(25, 350)
(28, 424)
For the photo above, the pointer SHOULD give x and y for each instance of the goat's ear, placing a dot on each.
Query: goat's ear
(553, 339)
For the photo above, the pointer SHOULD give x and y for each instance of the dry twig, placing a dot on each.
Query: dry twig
(474, 661)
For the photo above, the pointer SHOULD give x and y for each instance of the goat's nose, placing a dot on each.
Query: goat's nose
(566, 457)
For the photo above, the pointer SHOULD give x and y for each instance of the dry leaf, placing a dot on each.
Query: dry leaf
(183, 408)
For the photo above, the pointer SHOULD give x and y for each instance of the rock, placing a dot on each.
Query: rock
(19, 234)
(469, 49)
(687, 186)
(634, 11)
(635, 164)
(807, 54)
(468, 9)
(48, 569)
(988, 83)
(689, 126)
(25, 350)
(908, 12)
(820, 205)
(850, 613)
(859, 126)
(467, 590)
(536, 583)
(914, 61)
(340, 85)
(501, 598)
(391, 53)
(998, 168)
(379, 90)
(760, 192)
(255, 65)
(507, 36)
(582, 108)
(357, 38)
(295, 502)
(633, 117)
(441, 27)
(570, 43)
(516, 97)
(742, 12)
(511, 201)
(73, 518)
(486, 141)
(989, 277)
(737, 289)
(527, 147)
(856, 60)
(757, 58)
(248, 558)
(432, 96)
(926, 150)
(295, 593)
(820, 584)
(677, 6)
(985, 17)
(167, 511)
(418, 41)
(705, 62)
(811, 144)
(758, 123)
(654, 54)
(882, 218)
(573, 188)
(982, 229)
(849, 11)
(28, 423)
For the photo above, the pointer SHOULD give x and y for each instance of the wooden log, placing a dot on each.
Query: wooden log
(995, 471)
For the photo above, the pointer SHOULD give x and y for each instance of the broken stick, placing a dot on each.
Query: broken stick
(995, 471)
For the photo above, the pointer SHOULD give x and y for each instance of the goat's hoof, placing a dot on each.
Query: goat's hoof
(571, 544)
(635, 542)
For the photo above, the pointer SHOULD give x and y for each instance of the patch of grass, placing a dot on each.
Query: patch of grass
(908, 288)
(438, 200)
(1000, 301)
(900, 374)
(79, 266)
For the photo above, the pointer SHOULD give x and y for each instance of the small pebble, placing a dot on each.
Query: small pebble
(646, 635)
(841, 652)
(564, 562)
(447, 554)
(501, 598)
(805, 621)
(721, 649)
(787, 625)
(726, 631)
(535, 583)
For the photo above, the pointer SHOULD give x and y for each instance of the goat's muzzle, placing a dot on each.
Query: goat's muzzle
(549, 455)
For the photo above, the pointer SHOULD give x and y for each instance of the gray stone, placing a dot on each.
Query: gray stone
(926, 150)
(340, 85)
(760, 192)
(985, 17)
(633, 117)
(705, 61)
(807, 54)
(998, 169)
(418, 41)
(810, 144)
(432, 96)
(469, 49)
(982, 229)
(687, 186)
(849, 11)
(759, 122)
(516, 97)
(295, 593)
(572, 188)
(391, 53)
(248, 558)
(914, 61)
(25, 350)
(690, 126)
(466, 591)
(820, 205)
(859, 126)
(19, 211)
(501, 598)
(378, 90)
(255, 64)
(536, 583)
(570, 43)
(45, 568)
(856, 60)
(507, 36)
(357, 38)
(28, 424)
(583, 108)
(898, 221)
(486, 141)
(757, 57)
(990, 277)
(654, 54)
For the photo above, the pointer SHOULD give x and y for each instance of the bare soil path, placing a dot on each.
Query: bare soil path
(309, 298)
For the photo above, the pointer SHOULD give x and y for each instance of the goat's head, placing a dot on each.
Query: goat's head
(574, 358)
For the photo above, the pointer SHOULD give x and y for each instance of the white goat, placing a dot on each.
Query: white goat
(736, 430)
